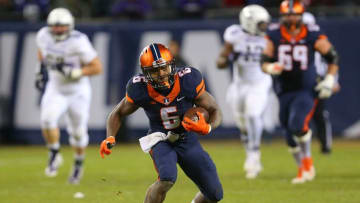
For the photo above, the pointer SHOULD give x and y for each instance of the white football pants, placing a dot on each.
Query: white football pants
(75, 105)
(248, 102)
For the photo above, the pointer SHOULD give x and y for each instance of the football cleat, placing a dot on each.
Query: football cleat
(326, 150)
(52, 168)
(299, 179)
(252, 165)
(309, 170)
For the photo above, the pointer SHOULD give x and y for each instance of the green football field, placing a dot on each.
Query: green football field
(125, 175)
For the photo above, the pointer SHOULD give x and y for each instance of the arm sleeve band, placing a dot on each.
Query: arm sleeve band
(331, 57)
(266, 59)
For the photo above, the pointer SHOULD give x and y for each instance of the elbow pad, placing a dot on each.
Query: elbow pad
(331, 57)
(266, 59)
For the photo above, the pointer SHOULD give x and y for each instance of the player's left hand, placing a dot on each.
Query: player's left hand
(70, 72)
(40, 81)
(106, 145)
(325, 87)
(41, 77)
(201, 126)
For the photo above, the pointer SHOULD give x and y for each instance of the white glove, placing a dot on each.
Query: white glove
(325, 86)
(274, 68)
(72, 73)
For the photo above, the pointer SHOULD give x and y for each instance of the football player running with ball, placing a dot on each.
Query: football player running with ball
(289, 56)
(166, 93)
(248, 94)
(69, 58)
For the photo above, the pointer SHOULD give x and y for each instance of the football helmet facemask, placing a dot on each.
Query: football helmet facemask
(157, 64)
(254, 19)
(291, 12)
(60, 22)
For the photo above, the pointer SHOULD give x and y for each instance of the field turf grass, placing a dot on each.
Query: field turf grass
(125, 175)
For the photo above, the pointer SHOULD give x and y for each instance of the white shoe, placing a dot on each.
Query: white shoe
(254, 170)
(251, 174)
(310, 174)
(252, 165)
(309, 170)
(300, 178)
(51, 169)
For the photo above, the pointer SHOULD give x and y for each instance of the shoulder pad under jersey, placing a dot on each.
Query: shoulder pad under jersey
(192, 82)
(232, 33)
(136, 89)
(313, 27)
(41, 35)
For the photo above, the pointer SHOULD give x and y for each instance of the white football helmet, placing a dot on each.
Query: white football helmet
(254, 19)
(60, 17)
(308, 18)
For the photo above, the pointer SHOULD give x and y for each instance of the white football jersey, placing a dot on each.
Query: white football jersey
(247, 52)
(73, 52)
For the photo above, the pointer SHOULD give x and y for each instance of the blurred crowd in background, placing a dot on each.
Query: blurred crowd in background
(108, 10)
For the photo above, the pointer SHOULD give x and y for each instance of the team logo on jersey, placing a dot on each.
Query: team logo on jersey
(166, 101)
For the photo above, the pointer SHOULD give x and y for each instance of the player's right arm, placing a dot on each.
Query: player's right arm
(41, 77)
(231, 36)
(128, 105)
(328, 52)
(113, 124)
(121, 110)
(267, 64)
(223, 59)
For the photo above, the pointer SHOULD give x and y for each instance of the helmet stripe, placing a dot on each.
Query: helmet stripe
(155, 51)
(291, 4)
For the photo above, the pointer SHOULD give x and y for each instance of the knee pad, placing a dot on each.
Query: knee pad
(240, 122)
(291, 142)
(78, 137)
(303, 137)
(251, 111)
(294, 150)
(49, 120)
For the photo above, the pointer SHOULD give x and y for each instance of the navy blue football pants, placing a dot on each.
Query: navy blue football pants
(296, 111)
(194, 161)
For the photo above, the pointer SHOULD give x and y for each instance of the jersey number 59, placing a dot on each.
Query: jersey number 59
(287, 54)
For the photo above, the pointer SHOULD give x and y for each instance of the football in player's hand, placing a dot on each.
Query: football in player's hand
(191, 113)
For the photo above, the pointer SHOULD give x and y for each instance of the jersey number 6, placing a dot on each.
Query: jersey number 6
(169, 117)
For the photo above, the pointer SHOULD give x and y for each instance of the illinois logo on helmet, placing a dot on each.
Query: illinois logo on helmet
(157, 64)
(291, 13)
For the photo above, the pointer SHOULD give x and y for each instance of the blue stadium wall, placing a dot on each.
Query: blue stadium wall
(119, 44)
